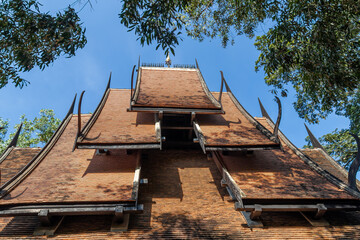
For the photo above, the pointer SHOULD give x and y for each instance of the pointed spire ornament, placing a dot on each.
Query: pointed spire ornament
(168, 60)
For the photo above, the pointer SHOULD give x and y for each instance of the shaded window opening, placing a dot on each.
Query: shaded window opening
(178, 131)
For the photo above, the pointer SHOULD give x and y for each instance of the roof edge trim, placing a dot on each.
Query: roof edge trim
(252, 120)
(30, 166)
(13, 142)
(314, 141)
(328, 176)
(6, 153)
(332, 162)
(11, 145)
(137, 87)
(206, 89)
(96, 114)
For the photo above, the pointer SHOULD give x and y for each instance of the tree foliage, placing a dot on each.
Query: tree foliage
(33, 132)
(30, 38)
(339, 143)
(312, 46)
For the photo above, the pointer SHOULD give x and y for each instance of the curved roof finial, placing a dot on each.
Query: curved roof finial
(263, 111)
(315, 143)
(13, 142)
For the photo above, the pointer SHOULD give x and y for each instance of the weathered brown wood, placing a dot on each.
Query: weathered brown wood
(136, 182)
(245, 148)
(119, 213)
(44, 217)
(251, 223)
(175, 110)
(255, 214)
(101, 209)
(124, 146)
(321, 211)
(299, 207)
(199, 136)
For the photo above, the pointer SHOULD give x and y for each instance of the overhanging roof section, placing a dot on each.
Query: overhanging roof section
(113, 127)
(233, 131)
(13, 160)
(58, 175)
(178, 90)
(326, 162)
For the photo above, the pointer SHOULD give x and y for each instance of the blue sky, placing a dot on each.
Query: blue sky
(111, 48)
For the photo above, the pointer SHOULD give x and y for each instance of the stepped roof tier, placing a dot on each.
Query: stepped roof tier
(112, 126)
(142, 153)
(172, 90)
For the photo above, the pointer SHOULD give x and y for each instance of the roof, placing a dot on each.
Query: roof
(166, 88)
(328, 163)
(234, 129)
(115, 126)
(277, 174)
(295, 165)
(184, 200)
(59, 175)
(14, 159)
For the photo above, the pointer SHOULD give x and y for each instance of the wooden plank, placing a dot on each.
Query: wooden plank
(299, 207)
(199, 135)
(251, 223)
(136, 182)
(255, 214)
(244, 148)
(175, 110)
(67, 211)
(120, 146)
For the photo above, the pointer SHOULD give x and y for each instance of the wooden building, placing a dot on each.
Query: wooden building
(170, 159)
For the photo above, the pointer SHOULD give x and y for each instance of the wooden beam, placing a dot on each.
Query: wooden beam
(318, 208)
(106, 209)
(175, 110)
(320, 211)
(119, 213)
(44, 217)
(255, 214)
(199, 136)
(242, 148)
(251, 223)
(120, 146)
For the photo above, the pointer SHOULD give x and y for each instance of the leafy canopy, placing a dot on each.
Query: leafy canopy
(30, 38)
(312, 46)
(339, 143)
(33, 132)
